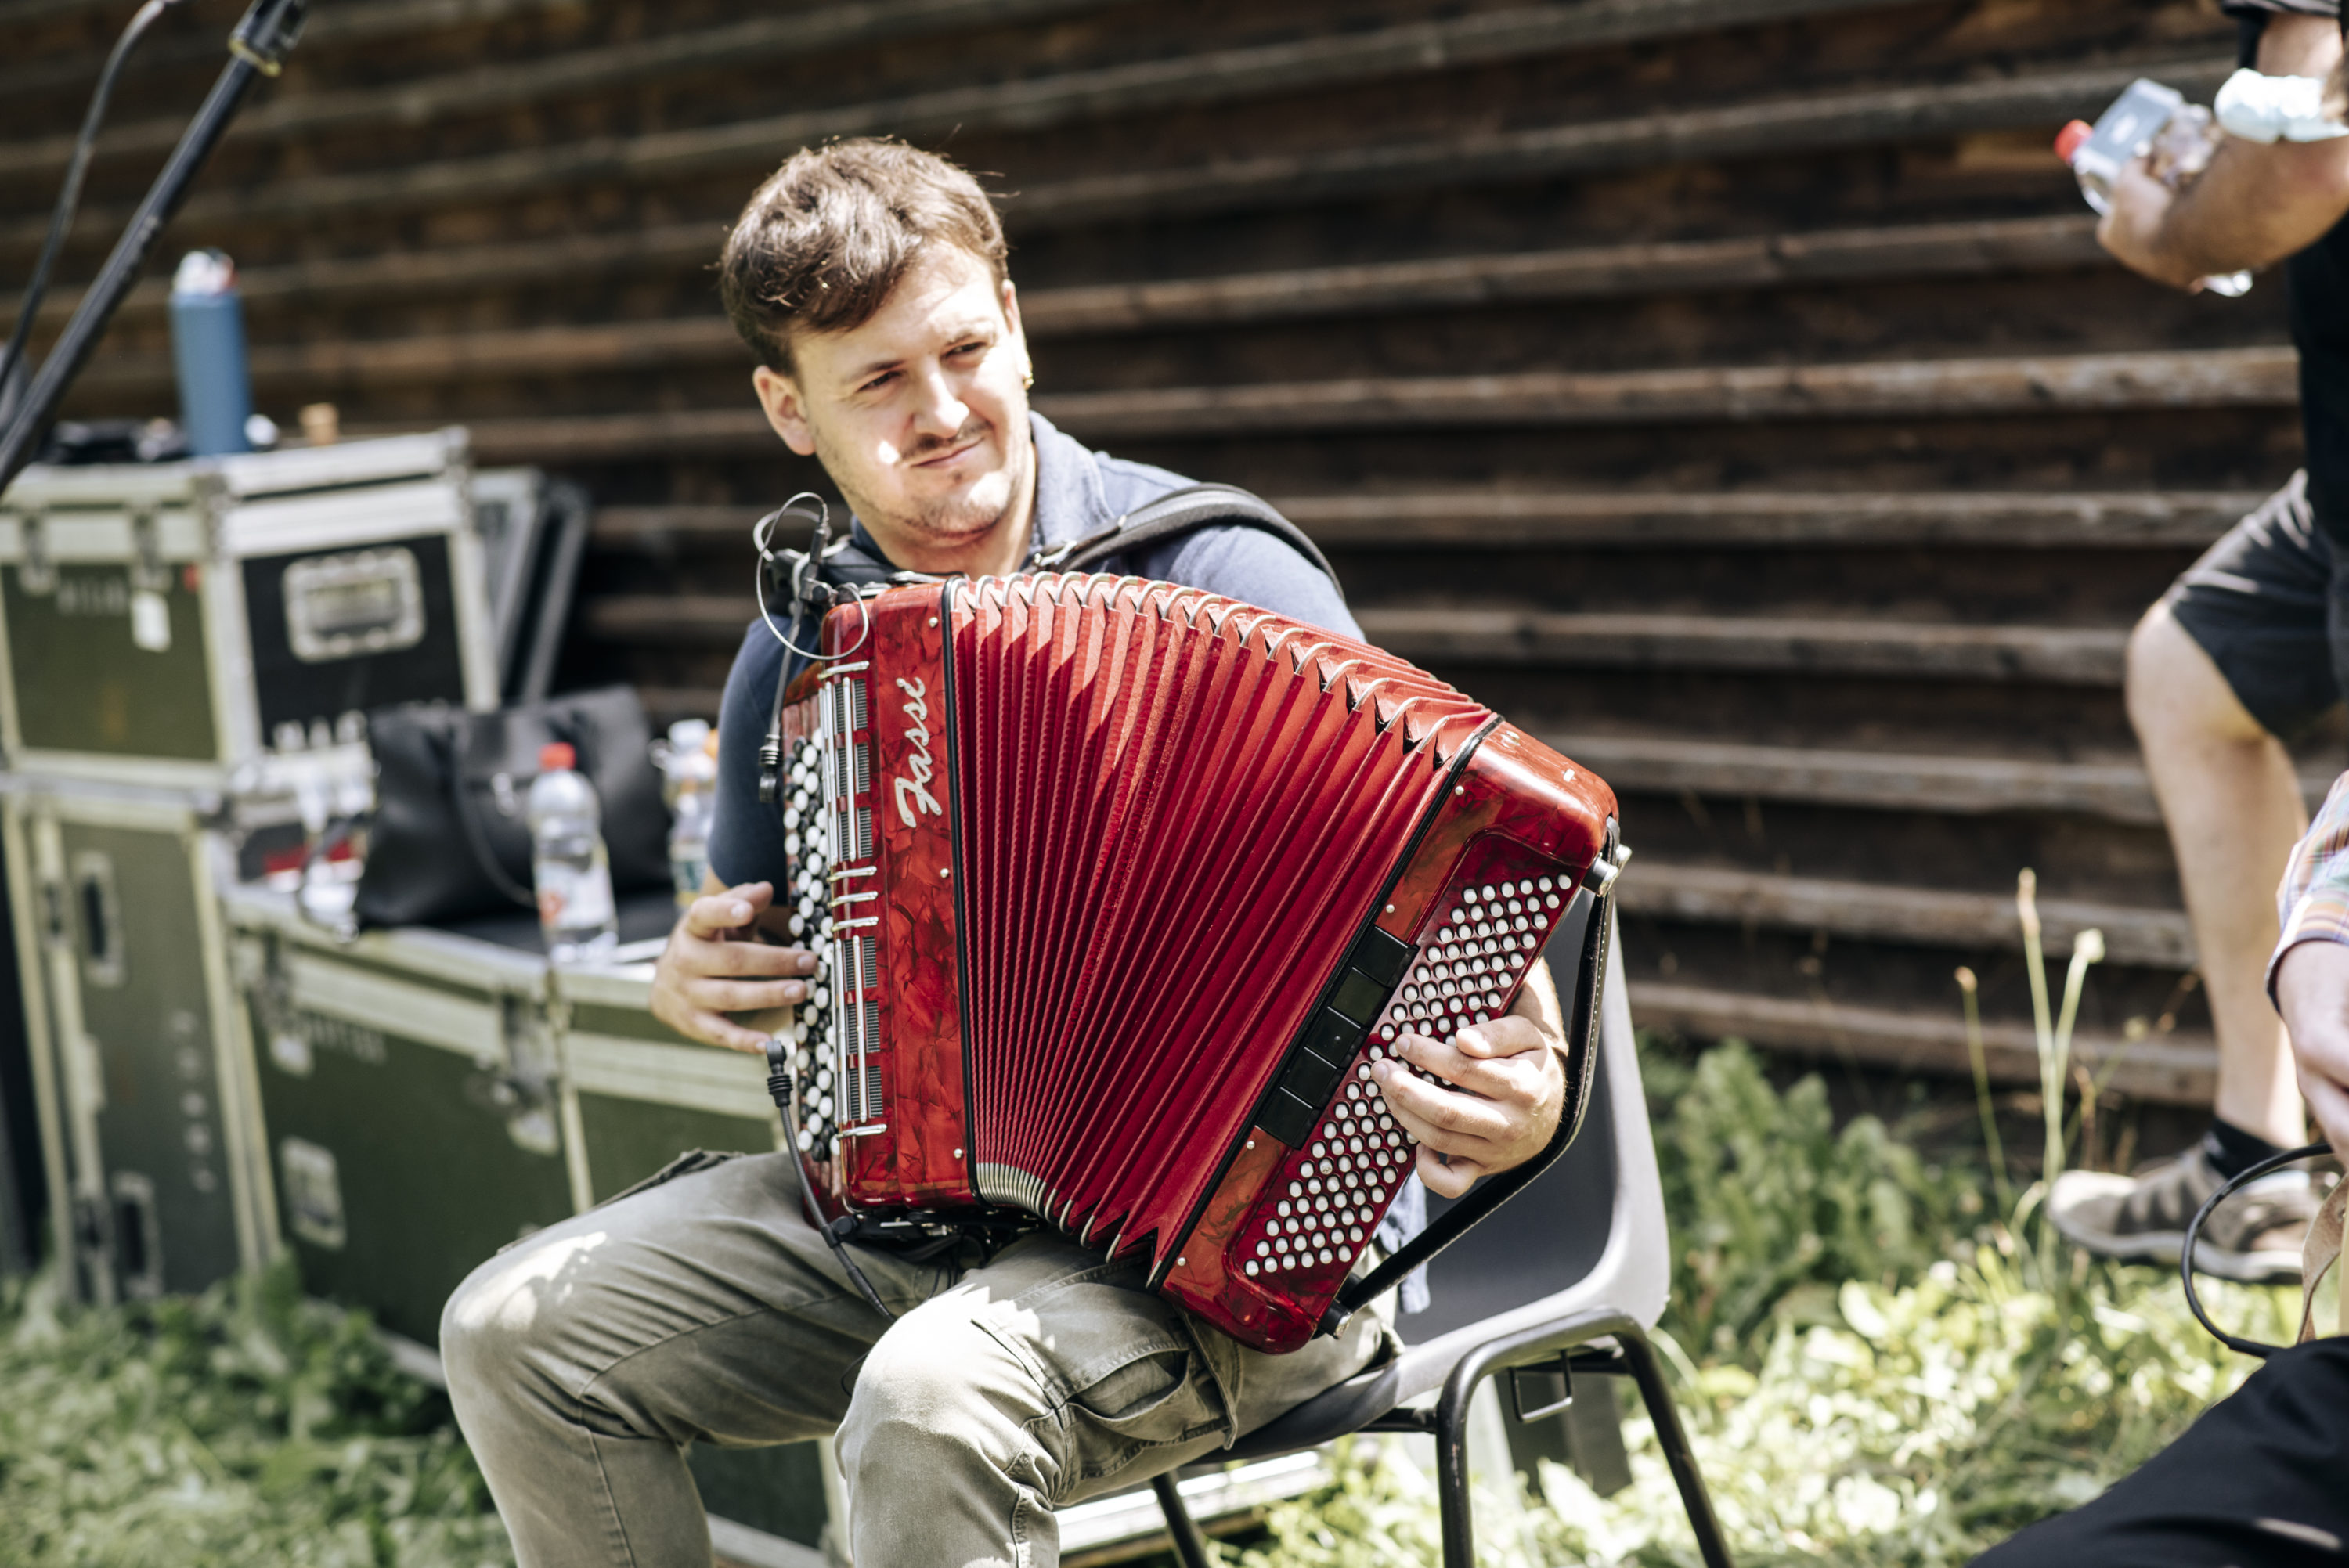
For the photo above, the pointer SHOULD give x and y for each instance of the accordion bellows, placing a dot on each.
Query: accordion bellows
(1118, 888)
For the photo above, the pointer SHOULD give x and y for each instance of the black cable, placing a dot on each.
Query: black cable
(12, 367)
(2194, 1230)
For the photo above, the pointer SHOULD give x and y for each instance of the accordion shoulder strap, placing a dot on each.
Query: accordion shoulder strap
(1175, 514)
(846, 563)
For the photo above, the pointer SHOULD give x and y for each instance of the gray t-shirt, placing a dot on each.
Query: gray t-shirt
(1078, 491)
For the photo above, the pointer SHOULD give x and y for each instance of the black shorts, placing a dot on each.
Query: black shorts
(2265, 603)
(2261, 1481)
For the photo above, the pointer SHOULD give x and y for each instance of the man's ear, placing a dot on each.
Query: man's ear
(1019, 333)
(779, 394)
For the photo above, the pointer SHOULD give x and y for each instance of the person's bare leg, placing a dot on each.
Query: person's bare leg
(2232, 804)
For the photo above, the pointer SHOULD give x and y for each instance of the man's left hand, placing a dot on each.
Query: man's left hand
(1506, 1089)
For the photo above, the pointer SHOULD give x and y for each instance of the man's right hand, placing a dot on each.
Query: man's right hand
(2312, 990)
(713, 965)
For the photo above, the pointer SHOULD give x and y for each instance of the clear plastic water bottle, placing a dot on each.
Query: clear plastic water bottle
(2175, 138)
(688, 765)
(568, 864)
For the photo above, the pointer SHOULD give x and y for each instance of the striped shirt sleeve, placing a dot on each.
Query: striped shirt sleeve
(2313, 902)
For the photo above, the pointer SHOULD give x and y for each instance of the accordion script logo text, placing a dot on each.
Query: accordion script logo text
(916, 791)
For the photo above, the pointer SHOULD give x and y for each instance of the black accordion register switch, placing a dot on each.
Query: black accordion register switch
(1319, 1060)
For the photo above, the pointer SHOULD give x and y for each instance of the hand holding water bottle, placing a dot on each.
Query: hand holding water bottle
(2144, 149)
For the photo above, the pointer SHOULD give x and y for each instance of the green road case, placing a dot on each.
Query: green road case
(145, 1098)
(639, 1094)
(185, 623)
(410, 1087)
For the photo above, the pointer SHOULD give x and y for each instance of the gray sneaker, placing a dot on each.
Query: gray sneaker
(2255, 1236)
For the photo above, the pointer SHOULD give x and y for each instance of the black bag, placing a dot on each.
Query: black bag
(451, 838)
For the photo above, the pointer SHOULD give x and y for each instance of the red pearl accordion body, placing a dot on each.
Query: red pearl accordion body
(1118, 889)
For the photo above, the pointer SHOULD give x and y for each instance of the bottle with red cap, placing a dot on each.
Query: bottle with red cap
(2175, 138)
(568, 862)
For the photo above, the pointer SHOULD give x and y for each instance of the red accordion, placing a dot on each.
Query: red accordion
(1118, 889)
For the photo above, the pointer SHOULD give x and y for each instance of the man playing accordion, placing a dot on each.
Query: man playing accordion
(870, 280)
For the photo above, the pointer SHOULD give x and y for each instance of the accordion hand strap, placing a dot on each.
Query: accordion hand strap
(1583, 1021)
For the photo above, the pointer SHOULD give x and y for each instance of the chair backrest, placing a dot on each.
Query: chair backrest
(1589, 1233)
(1547, 1238)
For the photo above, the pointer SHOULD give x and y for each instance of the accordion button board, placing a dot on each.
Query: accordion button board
(1118, 890)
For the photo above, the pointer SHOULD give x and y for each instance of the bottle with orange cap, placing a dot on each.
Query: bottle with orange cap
(569, 864)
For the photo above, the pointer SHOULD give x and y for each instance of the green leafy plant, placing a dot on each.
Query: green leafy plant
(244, 1426)
(1766, 1196)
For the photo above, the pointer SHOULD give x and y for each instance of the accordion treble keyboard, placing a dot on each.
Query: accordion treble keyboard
(1119, 889)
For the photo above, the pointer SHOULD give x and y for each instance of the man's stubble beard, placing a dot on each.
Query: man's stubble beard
(958, 520)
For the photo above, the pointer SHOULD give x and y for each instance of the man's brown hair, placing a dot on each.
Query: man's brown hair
(822, 244)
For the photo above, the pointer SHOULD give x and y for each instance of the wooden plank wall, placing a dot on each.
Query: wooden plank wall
(1731, 390)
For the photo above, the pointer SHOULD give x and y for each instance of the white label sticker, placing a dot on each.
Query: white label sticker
(291, 1052)
(151, 621)
(312, 1193)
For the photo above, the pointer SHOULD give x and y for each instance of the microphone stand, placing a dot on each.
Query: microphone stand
(258, 48)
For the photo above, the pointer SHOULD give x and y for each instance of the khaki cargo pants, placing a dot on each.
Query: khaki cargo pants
(704, 1309)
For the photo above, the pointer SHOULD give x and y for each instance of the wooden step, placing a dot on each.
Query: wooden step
(667, 620)
(326, 27)
(569, 74)
(1871, 780)
(333, 363)
(1814, 122)
(1907, 914)
(1514, 520)
(2178, 1068)
(2034, 519)
(454, 270)
(2066, 655)
(1762, 261)
(1759, 260)
(2263, 377)
(1327, 60)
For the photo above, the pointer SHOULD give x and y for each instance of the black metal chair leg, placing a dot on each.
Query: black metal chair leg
(1455, 1510)
(1190, 1545)
(1530, 1348)
(1646, 1372)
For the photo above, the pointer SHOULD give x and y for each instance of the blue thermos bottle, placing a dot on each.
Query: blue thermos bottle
(208, 350)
